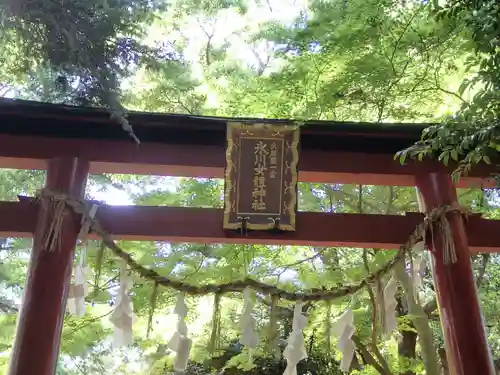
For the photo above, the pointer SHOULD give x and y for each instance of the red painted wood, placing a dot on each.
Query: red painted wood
(319, 166)
(203, 225)
(465, 338)
(41, 317)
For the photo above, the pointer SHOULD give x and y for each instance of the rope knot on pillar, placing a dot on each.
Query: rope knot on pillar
(56, 203)
(437, 221)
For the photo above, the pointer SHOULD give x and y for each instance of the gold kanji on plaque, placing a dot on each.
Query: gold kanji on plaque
(261, 176)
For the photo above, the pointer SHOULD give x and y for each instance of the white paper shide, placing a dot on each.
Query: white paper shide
(180, 343)
(295, 350)
(78, 290)
(344, 329)
(249, 336)
(123, 316)
(390, 303)
(419, 264)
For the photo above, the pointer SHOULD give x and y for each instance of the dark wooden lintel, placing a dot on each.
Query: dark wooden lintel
(204, 225)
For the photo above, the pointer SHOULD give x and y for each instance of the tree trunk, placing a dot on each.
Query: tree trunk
(444, 361)
(407, 347)
(355, 365)
(407, 350)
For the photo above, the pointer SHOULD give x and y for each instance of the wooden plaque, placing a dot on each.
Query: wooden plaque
(261, 176)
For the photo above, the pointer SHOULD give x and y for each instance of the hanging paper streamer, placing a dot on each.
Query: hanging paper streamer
(249, 336)
(390, 323)
(123, 317)
(419, 247)
(295, 351)
(78, 289)
(419, 264)
(344, 329)
(419, 267)
(180, 343)
(85, 224)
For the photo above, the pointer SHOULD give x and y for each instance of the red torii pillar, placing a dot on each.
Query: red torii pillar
(40, 321)
(465, 339)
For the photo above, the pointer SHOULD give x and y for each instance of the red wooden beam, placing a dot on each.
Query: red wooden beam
(204, 225)
(29, 152)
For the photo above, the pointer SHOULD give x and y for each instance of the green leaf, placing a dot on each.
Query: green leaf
(446, 159)
(463, 87)
(403, 158)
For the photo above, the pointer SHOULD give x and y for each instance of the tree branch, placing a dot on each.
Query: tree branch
(367, 357)
(485, 258)
(373, 301)
(305, 260)
(87, 323)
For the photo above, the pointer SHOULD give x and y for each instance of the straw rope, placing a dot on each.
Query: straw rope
(437, 216)
(437, 220)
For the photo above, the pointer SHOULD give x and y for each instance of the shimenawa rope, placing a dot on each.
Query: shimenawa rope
(82, 207)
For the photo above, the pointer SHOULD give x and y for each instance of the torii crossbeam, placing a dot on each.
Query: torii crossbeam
(71, 142)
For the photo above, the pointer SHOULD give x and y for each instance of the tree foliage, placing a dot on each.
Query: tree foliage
(471, 135)
(82, 49)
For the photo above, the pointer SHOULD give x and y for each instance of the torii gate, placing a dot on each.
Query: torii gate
(72, 142)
